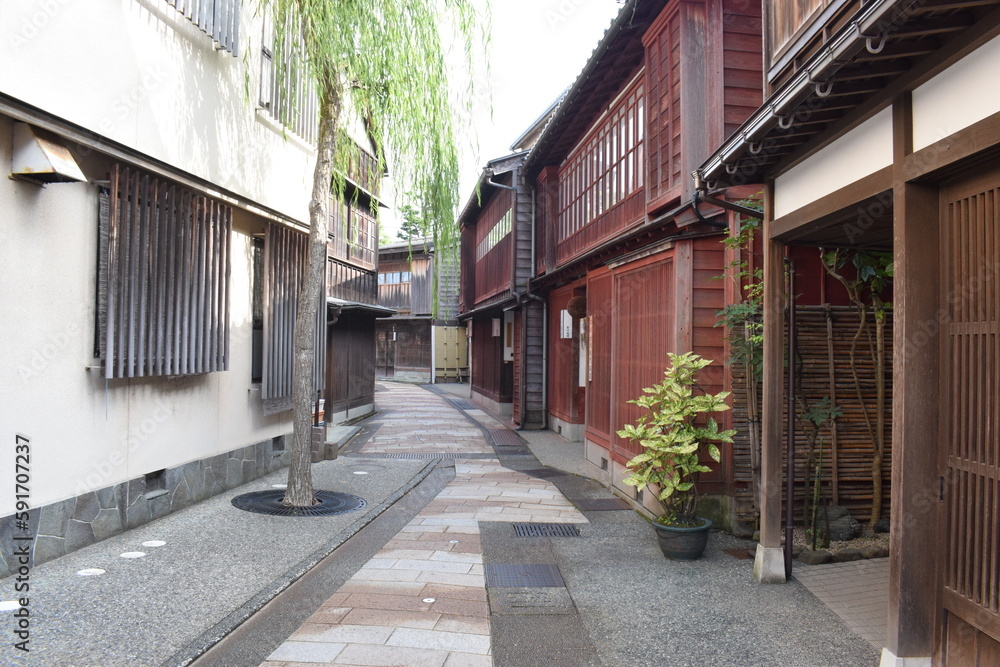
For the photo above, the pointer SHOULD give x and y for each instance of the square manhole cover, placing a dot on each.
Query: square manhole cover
(546, 530)
(520, 575)
(531, 601)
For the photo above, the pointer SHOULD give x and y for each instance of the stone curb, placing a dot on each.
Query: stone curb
(200, 645)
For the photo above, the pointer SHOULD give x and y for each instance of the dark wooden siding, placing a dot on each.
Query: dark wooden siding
(599, 314)
(743, 76)
(393, 293)
(413, 344)
(493, 258)
(421, 285)
(488, 373)
(663, 86)
(533, 371)
(351, 371)
(351, 283)
(517, 370)
(643, 334)
(467, 269)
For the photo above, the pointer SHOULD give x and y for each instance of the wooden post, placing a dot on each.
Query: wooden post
(769, 566)
(915, 514)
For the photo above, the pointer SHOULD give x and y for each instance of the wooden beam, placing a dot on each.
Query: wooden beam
(915, 510)
(954, 148)
(801, 221)
(773, 379)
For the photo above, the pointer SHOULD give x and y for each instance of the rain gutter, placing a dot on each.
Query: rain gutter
(815, 77)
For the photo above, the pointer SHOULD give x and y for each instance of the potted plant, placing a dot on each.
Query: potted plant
(674, 436)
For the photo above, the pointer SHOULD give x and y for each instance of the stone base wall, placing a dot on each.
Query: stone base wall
(59, 528)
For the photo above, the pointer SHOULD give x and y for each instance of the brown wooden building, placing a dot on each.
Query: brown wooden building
(624, 256)
(422, 341)
(504, 318)
(881, 130)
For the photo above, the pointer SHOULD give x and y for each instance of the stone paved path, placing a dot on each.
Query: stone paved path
(421, 601)
(415, 420)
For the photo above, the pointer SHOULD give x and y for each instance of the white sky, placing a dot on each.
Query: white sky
(537, 49)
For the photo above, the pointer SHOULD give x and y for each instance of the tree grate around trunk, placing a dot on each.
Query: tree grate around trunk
(546, 530)
(269, 502)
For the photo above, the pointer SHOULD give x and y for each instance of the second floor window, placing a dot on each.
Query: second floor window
(499, 230)
(606, 167)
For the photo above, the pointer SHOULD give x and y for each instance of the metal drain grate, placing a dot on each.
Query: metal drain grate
(523, 576)
(741, 554)
(504, 437)
(430, 455)
(461, 404)
(546, 530)
(269, 502)
(543, 472)
(600, 504)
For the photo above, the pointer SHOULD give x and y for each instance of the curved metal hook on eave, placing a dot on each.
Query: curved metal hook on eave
(731, 168)
(881, 43)
(785, 122)
(823, 89)
(755, 147)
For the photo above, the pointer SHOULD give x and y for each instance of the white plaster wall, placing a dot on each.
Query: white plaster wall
(86, 434)
(138, 72)
(862, 151)
(956, 98)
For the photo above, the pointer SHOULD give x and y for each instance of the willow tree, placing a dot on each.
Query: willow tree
(387, 62)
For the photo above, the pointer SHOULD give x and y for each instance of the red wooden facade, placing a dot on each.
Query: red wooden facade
(613, 202)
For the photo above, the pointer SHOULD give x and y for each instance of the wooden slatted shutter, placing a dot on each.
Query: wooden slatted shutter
(163, 278)
(219, 19)
(970, 392)
(285, 254)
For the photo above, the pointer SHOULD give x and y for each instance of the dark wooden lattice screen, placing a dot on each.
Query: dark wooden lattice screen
(163, 278)
(970, 253)
(285, 253)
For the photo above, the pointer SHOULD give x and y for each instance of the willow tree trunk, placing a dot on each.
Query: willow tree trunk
(300, 485)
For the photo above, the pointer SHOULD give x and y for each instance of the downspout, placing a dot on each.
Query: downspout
(488, 172)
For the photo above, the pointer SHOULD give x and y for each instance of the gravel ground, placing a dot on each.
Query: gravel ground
(217, 560)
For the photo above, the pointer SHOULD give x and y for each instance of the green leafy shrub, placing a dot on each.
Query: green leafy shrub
(673, 436)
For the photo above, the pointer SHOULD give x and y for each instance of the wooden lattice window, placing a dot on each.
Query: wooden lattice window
(163, 278)
(606, 167)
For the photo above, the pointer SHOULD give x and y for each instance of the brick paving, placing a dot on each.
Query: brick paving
(422, 599)
(416, 421)
(857, 591)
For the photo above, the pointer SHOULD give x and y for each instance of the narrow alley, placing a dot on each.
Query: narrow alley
(457, 559)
